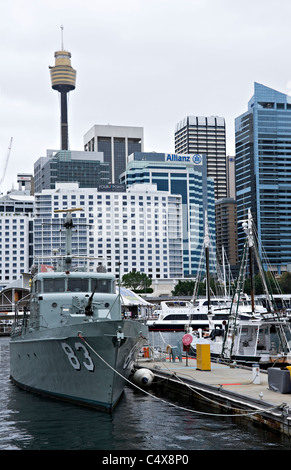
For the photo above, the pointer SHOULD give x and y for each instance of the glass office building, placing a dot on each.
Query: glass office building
(185, 175)
(86, 168)
(263, 172)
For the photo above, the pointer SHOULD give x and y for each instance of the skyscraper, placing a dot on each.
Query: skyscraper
(116, 142)
(226, 233)
(205, 135)
(263, 172)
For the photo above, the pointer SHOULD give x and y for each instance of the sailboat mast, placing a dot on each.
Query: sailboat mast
(224, 275)
(206, 245)
(251, 255)
(247, 226)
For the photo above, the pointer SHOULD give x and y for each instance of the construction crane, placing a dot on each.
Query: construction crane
(6, 162)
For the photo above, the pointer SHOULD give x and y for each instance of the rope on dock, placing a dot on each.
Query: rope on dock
(184, 383)
(259, 410)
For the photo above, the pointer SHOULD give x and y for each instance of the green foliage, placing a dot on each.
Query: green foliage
(136, 281)
(284, 282)
(184, 288)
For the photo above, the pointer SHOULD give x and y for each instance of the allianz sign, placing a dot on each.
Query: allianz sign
(196, 159)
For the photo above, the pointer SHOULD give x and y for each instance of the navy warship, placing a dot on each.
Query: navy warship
(72, 342)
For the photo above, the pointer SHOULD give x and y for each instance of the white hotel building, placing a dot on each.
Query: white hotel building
(14, 246)
(16, 235)
(140, 227)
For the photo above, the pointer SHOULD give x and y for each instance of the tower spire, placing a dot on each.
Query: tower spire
(62, 38)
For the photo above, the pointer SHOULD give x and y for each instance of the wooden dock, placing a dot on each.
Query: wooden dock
(225, 390)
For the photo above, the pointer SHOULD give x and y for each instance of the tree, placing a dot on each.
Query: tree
(136, 281)
(258, 284)
(285, 282)
(184, 288)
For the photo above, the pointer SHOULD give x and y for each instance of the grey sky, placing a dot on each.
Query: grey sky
(143, 63)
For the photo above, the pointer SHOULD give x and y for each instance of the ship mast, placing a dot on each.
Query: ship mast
(68, 224)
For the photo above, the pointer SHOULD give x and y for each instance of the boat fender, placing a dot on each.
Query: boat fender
(143, 377)
(187, 339)
(168, 349)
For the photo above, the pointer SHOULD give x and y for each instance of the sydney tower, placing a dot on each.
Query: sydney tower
(63, 78)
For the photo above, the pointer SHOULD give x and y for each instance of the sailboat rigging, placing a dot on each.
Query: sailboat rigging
(265, 339)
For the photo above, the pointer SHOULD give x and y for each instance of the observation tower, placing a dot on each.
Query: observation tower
(63, 79)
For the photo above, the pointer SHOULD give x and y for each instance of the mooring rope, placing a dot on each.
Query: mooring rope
(218, 403)
(173, 404)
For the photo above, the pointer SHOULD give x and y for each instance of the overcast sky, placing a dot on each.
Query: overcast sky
(147, 63)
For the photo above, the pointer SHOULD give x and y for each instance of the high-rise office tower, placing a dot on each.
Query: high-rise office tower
(230, 176)
(263, 172)
(226, 234)
(116, 142)
(205, 135)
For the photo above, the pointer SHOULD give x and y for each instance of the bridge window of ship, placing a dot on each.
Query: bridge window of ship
(101, 285)
(54, 285)
(78, 285)
(37, 286)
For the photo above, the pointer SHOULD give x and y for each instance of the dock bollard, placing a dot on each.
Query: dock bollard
(256, 374)
(203, 361)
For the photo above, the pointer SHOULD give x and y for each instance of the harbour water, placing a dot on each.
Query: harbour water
(140, 422)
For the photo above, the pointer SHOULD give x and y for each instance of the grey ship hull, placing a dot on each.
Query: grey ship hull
(85, 363)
